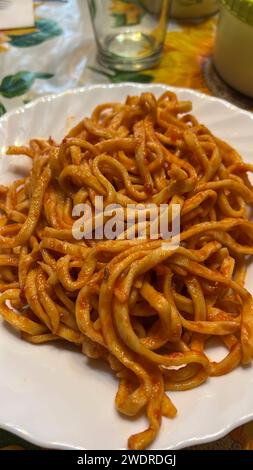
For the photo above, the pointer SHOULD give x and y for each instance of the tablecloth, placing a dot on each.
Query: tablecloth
(60, 53)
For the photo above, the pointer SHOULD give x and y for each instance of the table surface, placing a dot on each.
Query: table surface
(60, 53)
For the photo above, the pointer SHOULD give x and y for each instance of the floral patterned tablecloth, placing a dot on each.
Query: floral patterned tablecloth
(60, 53)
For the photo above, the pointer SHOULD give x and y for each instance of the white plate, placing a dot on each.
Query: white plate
(54, 396)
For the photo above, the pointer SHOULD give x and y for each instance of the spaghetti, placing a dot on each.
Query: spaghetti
(147, 311)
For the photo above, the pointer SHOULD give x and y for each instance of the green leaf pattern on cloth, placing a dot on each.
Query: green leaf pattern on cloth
(117, 76)
(120, 20)
(126, 12)
(46, 29)
(2, 109)
(20, 83)
(93, 8)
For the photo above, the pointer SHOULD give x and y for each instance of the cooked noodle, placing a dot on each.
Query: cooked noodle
(147, 311)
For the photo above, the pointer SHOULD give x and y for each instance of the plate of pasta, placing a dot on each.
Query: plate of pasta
(121, 342)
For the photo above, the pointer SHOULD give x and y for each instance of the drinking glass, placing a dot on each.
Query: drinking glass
(129, 34)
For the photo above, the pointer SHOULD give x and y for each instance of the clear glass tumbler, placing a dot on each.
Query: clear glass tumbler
(129, 34)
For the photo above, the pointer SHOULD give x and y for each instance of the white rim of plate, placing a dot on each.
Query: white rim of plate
(76, 91)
